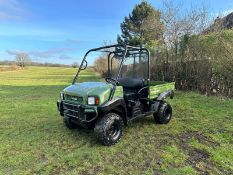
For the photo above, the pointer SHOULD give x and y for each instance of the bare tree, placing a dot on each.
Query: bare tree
(22, 59)
(178, 24)
(101, 65)
(75, 65)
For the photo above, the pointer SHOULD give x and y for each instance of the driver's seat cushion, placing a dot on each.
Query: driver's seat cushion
(131, 83)
(131, 86)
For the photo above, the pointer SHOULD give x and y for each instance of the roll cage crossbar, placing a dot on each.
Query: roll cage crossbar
(119, 50)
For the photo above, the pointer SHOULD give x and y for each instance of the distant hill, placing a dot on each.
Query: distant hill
(221, 24)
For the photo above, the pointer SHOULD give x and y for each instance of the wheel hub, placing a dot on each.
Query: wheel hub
(114, 131)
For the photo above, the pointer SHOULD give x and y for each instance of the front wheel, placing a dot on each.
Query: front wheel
(164, 113)
(108, 129)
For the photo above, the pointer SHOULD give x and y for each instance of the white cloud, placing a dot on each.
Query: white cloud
(72, 41)
(50, 53)
(54, 52)
(65, 57)
(14, 52)
(7, 16)
(11, 10)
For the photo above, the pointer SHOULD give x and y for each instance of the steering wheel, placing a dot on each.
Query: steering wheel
(142, 92)
(111, 80)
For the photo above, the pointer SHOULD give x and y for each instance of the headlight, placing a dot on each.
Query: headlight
(62, 95)
(93, 101)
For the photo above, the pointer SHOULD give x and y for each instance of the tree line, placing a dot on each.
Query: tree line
(22, 60)
(23, 64)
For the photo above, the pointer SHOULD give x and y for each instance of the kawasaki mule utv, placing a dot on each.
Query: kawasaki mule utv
(128, 94)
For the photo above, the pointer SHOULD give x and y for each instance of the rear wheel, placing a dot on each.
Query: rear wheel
(164, 113)
(69, 123)
(108, 129)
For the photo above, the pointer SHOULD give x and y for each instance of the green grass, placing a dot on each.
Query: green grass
(33, 140)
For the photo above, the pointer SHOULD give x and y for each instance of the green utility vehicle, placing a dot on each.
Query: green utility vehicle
(128, 94)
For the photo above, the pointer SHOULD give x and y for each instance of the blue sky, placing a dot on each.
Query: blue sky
(61, 31)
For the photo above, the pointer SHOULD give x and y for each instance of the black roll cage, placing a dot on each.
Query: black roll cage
(125, 50)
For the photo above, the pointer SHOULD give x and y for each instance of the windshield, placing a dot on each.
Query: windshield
(134, 65)
(120, 61)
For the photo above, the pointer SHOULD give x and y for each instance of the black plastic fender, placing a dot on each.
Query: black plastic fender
(169, 93)
(162, 96)
(118, 105)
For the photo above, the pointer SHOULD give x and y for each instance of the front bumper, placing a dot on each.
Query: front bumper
(83, 113)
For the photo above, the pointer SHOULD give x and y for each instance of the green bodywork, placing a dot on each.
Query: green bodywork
(118, 92)
(79, 92)
(158, 87)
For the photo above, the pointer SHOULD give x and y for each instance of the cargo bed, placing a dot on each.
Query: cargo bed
(158, 87)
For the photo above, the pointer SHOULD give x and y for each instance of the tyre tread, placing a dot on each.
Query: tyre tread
(101, 125)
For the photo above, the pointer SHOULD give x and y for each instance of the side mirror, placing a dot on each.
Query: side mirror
(84, 65)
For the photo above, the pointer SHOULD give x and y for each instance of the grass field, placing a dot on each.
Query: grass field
(33, 140)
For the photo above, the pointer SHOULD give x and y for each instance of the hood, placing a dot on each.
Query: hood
(100, 89)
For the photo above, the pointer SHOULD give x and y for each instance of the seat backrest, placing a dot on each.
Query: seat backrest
(132, 83)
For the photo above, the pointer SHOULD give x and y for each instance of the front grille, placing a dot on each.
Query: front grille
(71, 110)
(74, 98)
(77, 111)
